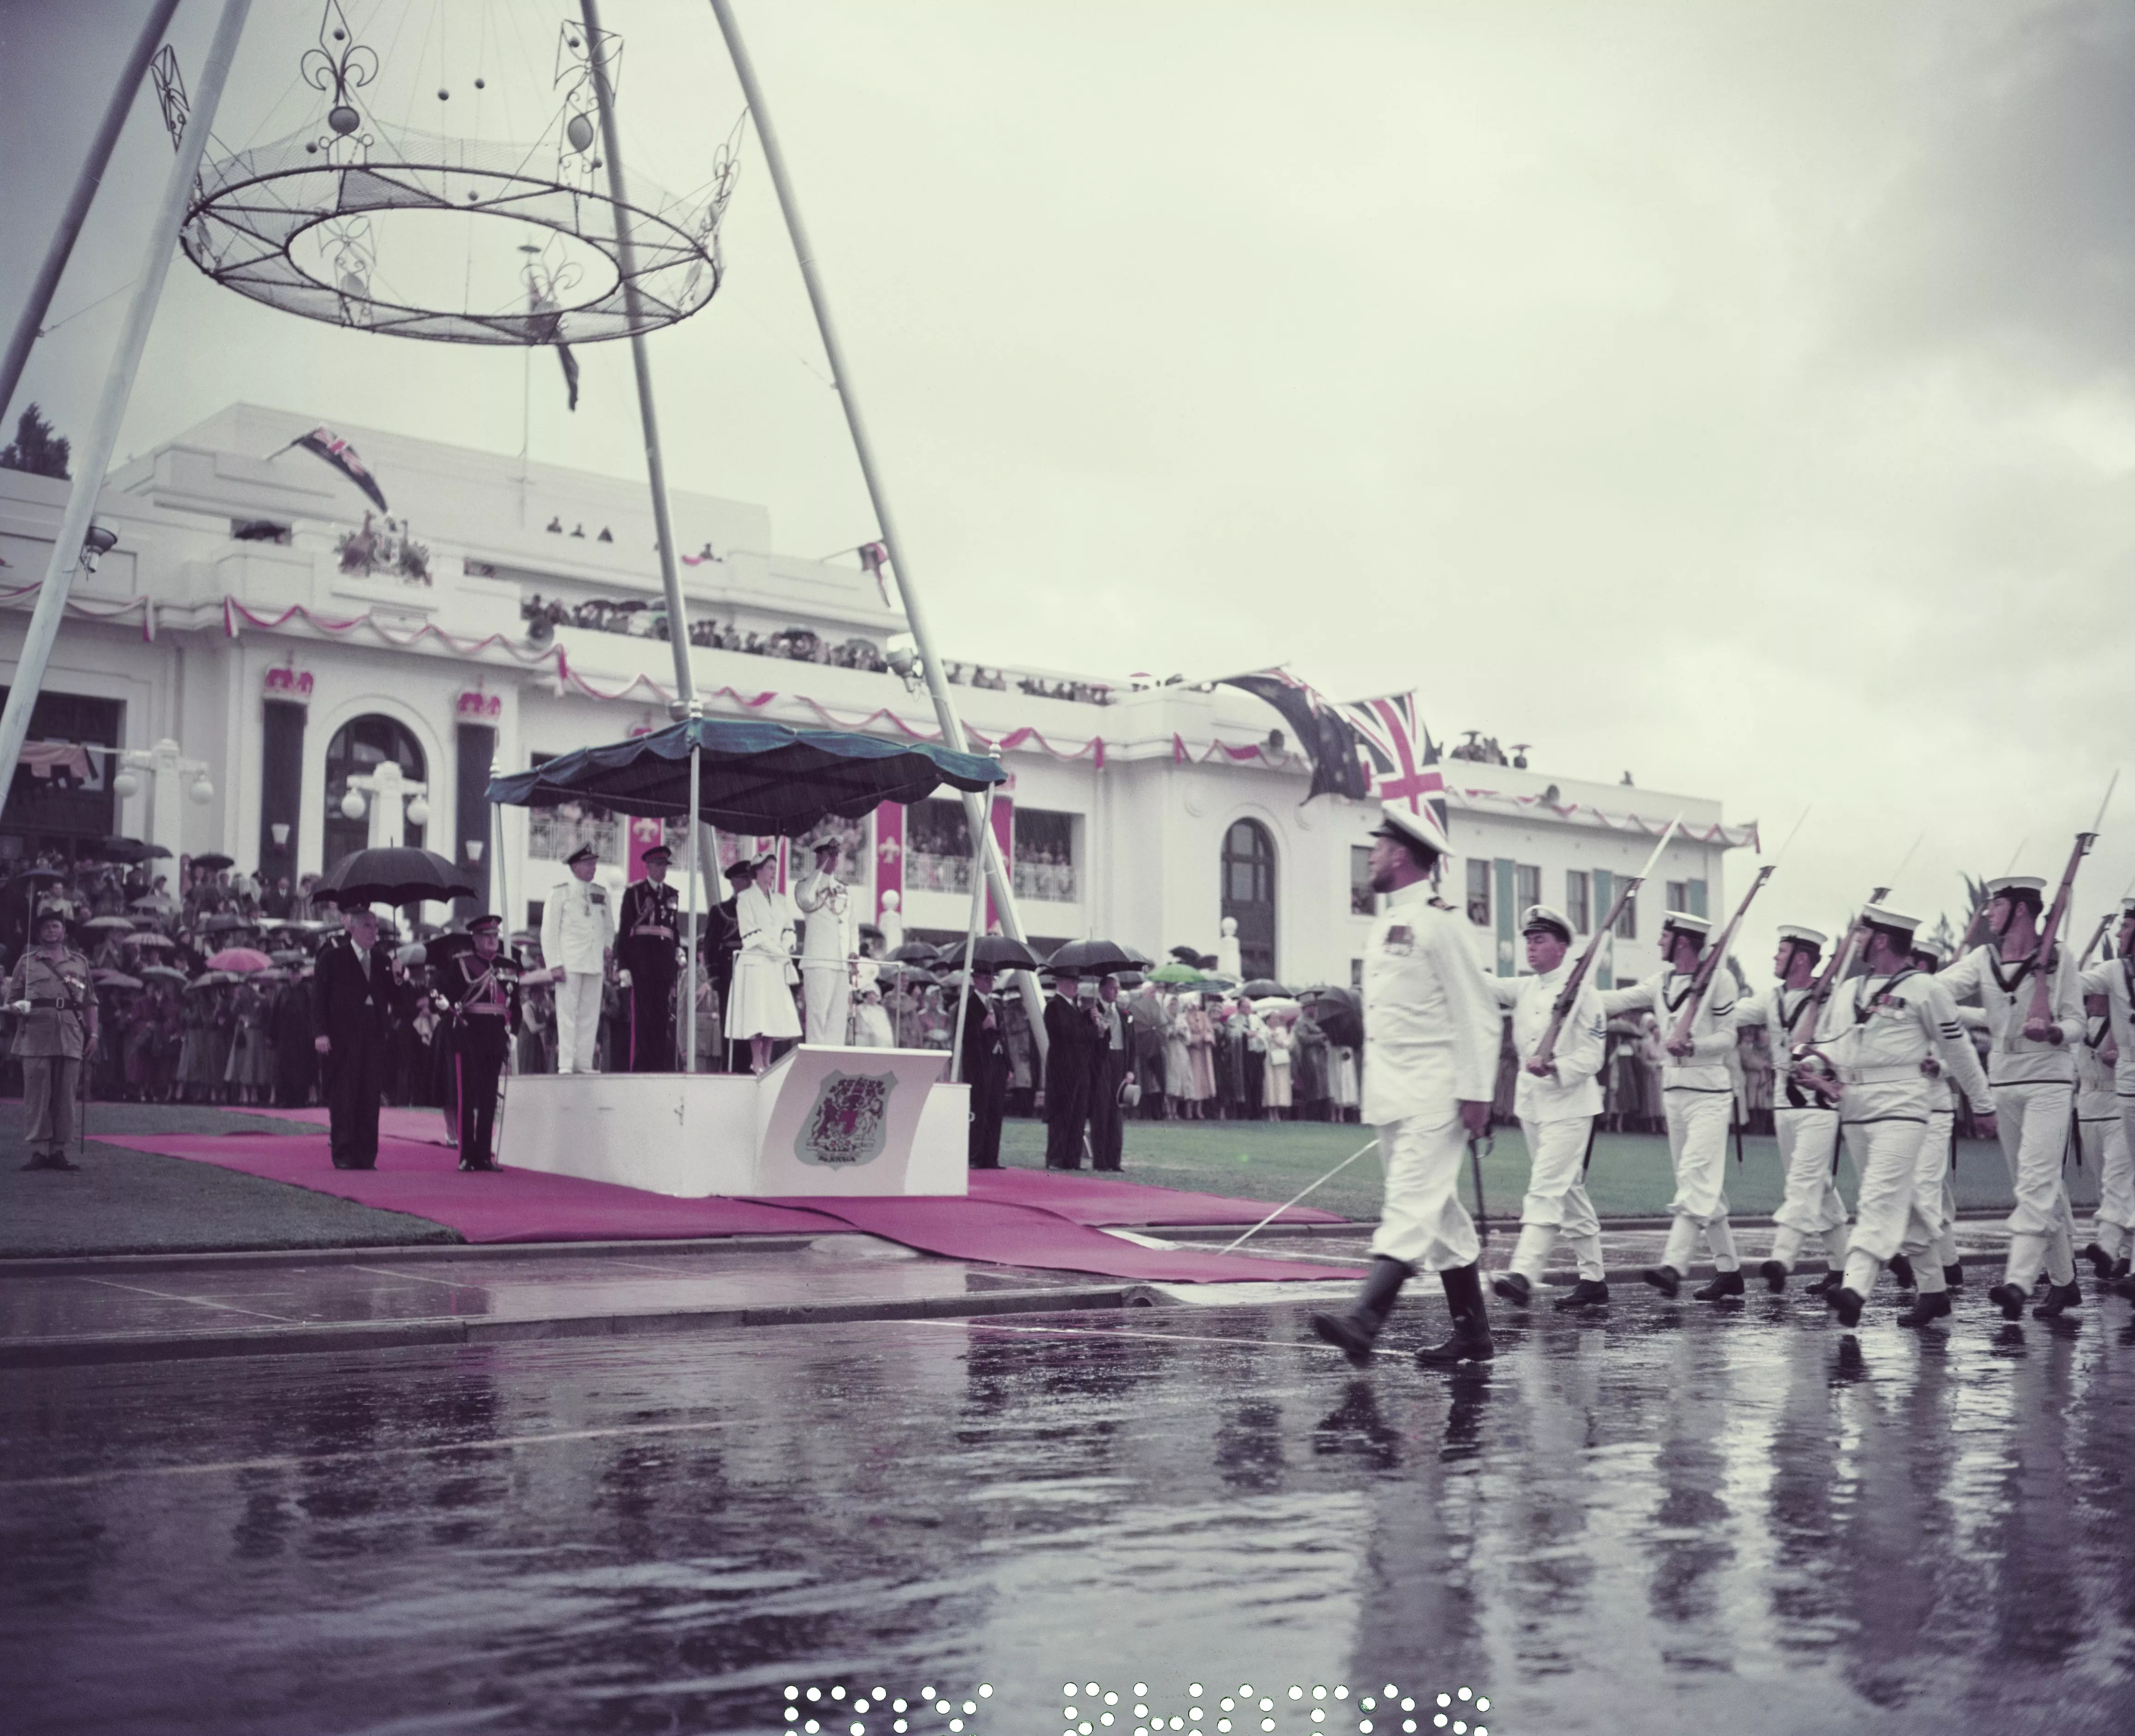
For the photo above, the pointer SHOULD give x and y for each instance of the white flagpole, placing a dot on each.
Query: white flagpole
(970, 946)
(937, 688)
(93, 461)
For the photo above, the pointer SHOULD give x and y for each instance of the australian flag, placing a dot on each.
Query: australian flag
(1320, 730)
(1402, 757)
(340, 454)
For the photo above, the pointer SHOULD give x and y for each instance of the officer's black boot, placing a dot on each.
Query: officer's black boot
(1355, 1332)
(1470, 1342)
(2059, 1299)
(1724, 1285)
(1589, 1292)
(1928, 1305)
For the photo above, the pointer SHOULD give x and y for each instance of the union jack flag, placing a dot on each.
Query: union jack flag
(1323, 732)
(1389, 730)
(328, 445)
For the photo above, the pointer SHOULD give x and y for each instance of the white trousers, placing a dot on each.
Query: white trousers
(1936, 1152)
(2106, 1149)
(827, 988)
(2033, 1123)
(1423, 1223)
(1814, 1209)
(578, 1020)
(1557, 1202)
(1697, 1123)
(1891, 1215)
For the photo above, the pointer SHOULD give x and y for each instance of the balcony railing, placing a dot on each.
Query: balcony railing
(1046, 883)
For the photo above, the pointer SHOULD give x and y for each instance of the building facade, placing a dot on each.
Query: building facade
(332, 674)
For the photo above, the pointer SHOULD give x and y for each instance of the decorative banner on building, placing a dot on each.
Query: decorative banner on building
(1004, 831)
(889, 853)
(1322, 731)
(641, 835)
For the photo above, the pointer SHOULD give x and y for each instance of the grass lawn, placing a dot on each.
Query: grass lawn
(1629, 1177)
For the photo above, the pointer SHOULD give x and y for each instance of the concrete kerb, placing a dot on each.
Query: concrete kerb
(335, 1336)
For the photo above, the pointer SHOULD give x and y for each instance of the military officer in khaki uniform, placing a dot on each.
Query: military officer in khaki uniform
(49, 989)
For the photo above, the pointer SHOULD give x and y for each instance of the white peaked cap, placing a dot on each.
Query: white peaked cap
(2128, 907)
(1420, 827)
(1543, 916)
(2016, 883)
(1684, 923)
(1808, 936)
(1892, 922)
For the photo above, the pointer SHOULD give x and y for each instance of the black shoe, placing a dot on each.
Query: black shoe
(2124, 1288)
(1589, 1292)
(1901, 1269)
(1830, 1282)
(1470, 1342)
(2010, 1298)
(1846, 1304)
(1664, 1278)
(2060, 1298)
(1952, 1275)
(1513, 1288)
(477, 1166)
(1355, 1332)
(1724, 1285)
(1775, 1275)
(1928, 1305)
(2120, 1270)
(2101, 1262)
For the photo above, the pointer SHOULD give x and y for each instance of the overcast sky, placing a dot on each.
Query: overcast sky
(1738, 393)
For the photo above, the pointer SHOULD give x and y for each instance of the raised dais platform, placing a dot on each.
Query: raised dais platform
(839, 1123)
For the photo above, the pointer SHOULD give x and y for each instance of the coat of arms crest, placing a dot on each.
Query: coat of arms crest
(848, 1124)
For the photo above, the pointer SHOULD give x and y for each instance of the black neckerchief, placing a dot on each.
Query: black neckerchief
(1786, 1019)
(1860, 1014)
(1675, 1005)
(2010, 984)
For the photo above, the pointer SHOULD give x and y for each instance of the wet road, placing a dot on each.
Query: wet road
(1675, 1521)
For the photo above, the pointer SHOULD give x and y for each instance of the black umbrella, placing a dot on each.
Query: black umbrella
(396, 875)
(915, 952)
(128, 849)
(1262, 988)
(1092, 958)
(38, 873)
(215, 861)
(221, 923)
(1338, 1011)
(996, 952)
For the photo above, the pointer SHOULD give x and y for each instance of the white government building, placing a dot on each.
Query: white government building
(243, 616)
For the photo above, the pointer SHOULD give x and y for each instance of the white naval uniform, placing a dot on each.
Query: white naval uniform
(578, 932)
(1431, 1044)
(1877, 1031)
(1934, 1178)
(2115, 979)
(826, 952)
(2103, 1137)
(1699, 1097)
(1814, 1210)
(1557, 1118)
(2034, 1084)
(762, 999)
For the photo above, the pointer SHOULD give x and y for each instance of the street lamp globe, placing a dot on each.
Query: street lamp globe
(419, 812)
(203, 791)
(352, 804)
(126, 785)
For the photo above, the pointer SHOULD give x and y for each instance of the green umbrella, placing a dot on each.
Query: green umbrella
(1185, 976)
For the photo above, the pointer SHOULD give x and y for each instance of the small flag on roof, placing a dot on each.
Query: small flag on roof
(328, 445)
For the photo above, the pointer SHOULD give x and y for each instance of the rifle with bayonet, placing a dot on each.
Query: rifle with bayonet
(1567, 997)
(1702, 978)
(2039, 1020)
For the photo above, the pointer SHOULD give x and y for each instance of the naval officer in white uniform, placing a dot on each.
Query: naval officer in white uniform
(2031, 1067)
(1875, 1035)
(1812, 1212)
(1699, 1098)
(829, 946)
(578, 944)
(2108, 991)
(1430, 1064)
(1556, 1105)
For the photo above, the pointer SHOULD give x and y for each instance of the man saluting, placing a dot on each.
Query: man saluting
(1430, 1062)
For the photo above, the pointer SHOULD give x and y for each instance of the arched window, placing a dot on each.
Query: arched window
(359, 747)
(1249, 893)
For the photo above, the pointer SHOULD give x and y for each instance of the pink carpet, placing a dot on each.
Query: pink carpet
(1031, 1219)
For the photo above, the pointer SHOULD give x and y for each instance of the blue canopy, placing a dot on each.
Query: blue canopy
(753, 776)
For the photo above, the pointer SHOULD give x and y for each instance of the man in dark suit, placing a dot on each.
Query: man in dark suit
(1108, 1072)
(984, 1069)
(647, 932)
(1071, 1055)
(351, 994)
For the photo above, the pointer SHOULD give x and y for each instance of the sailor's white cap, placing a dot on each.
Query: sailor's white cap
(1684, 923)
(2127, 908)
(1419, 827)
(2016, 883)
(1544, 916)
(1891, 921)
(1807, 936)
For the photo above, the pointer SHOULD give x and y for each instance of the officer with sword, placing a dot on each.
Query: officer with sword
(480, 993)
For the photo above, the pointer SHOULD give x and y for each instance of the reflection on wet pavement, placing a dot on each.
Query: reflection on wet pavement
(1677, 1518)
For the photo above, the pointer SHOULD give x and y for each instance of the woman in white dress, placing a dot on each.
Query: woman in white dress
(764, 972)
(1281, 1042)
